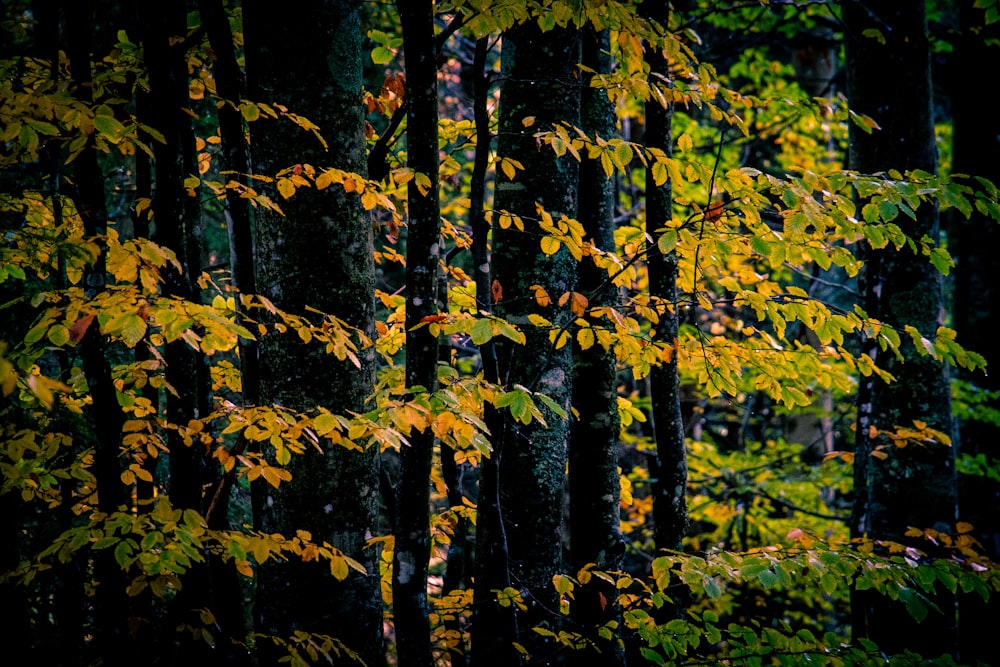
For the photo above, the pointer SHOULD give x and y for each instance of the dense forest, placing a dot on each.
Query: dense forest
(481, 333)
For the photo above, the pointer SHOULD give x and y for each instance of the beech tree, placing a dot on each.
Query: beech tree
(317, 259)
(900, 488)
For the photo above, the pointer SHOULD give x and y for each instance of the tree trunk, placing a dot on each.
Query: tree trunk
(176, 228)
(494, 625)
(319, 255)
(912, 486)
(594, 486)
(412, 552)
(110, 604)
(669, 504)
(975, 244)
(538, 73)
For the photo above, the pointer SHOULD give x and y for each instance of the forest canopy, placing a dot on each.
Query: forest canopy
(492, 332)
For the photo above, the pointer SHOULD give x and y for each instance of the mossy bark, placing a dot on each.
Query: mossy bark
(594, 486)
(319, 254)
(912, 486)
(538, 80)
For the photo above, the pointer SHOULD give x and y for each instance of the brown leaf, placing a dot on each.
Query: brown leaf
(496, 291)
(79, 329)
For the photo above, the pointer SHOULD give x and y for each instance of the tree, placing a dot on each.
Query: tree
(898, 487)
(973, 242)
(537, 188)
(669, 508)
(594, 450)
(412, 530)
(317, 258)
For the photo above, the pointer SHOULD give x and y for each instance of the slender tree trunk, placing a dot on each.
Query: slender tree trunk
(494, 625)
(538, 73)
(594, 487)
(912, 486)
(110, 604)
(231, 86)
(320, 254)
(669, 504)
(176, 228)
(412, 552)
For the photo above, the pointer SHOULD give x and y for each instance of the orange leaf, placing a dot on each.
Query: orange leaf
(433, 318)
(541, 296)
(714, 211)
(496, 291)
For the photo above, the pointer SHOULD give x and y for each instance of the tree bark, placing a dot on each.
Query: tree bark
(538, 79)
(975, 244)
(669, 504)
(594, 485)
(176, 227)
(912, 486)
(412, 545)
(320, 254)
(494, 625)
(110, 604)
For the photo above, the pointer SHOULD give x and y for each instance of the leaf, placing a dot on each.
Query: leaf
(110, 127)
(286, 188)
(550, 245)
(423, 183)
(382, 55)
(541, 296)
(59, 335)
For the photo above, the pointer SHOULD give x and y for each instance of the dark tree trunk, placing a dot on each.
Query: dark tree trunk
(670, 469)
(538, 74)
(975, 244)
(110, 604)
(912, 486)
(494, 625)
(320, 254)
(231, 86)
(412, 552)
(594, 486)
(176, 228)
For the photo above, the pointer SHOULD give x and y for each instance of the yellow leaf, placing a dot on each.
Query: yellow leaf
(528, 121)
(423, 184)
(338, 568)
(550, 245)
(508, 168)
(285, 187)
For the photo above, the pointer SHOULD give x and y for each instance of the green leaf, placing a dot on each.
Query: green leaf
(109, 126)
(712, 587)
(482, 331)
(382, 55)
(58, 335)
(916, 604)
